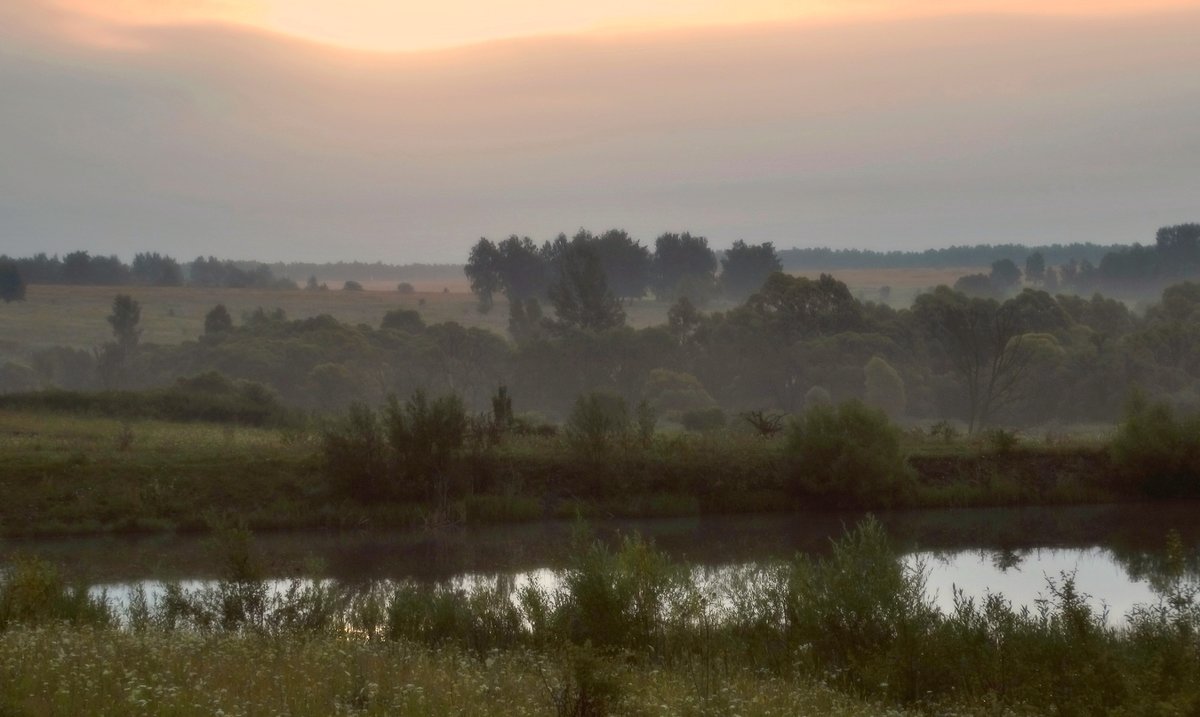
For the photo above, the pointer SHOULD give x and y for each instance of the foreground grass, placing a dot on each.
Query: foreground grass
(81, 474)
(60, 670)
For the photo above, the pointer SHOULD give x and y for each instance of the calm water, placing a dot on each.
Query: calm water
(1113, 551)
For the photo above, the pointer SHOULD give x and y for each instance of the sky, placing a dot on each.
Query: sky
(403, 132)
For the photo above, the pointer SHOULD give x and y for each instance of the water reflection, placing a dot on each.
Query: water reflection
(1115, 552)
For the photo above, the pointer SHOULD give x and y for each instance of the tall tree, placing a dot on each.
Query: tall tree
(745, 267)
(683, 266)
(1035, 267)
(985, 343)
(1005, 275)
(126, 313)
(581, 297)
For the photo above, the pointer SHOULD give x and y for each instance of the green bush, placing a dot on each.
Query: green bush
(33, 592)
(1157, 452)
(598, 422)
(847, 453)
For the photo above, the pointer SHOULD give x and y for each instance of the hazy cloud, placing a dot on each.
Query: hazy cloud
(902, 133)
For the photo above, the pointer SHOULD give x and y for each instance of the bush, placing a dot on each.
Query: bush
(352, 286)
(884, 387)
(405, 288)
(1157, 452)
(849, 452)
(33, 592)
(703, 419)
(597, 422)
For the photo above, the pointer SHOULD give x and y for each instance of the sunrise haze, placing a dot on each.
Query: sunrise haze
(381, 130)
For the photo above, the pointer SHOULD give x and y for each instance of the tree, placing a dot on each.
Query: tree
(884, 388)
(790, 308)
(1035, 267)
(218, 321)
(626, 263)
(1179, 247)
(746, 266)
(154, 269)
(126, 313)
(581, 297)
(1005, 275)
(514, 267)
(351, 285)
(983, 342)
(12, 284)
(683, 266)
(403, 320)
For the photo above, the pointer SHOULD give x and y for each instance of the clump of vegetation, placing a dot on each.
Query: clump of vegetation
(1002, 441)
(206, 397)
(848, 453)
(33, 592)
(598, 422)
(407, 450)
(1157, 451)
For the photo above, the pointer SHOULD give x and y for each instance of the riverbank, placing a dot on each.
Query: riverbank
(68, 474)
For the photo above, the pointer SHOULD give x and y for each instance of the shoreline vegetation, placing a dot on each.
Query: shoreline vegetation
(621, 630)
(69, 473)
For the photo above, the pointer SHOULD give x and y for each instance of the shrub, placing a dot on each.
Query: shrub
(403, 320)
(1157, 452)
(597, 422)
(33, 591)
(845, 452)
(352, 286)
(405, 288)
(356, 454)
(703, 419)
(425, 437)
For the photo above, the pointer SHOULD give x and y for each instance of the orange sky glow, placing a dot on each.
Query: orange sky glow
(406, 26)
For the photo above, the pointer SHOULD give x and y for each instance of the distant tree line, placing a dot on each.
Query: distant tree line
(1136, 269)
(366, 271)
(146, 269)
(589, 271)
(826, 258)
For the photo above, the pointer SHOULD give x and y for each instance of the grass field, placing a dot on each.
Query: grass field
(75, 315)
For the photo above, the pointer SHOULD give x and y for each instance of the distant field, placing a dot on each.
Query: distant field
(75, 315)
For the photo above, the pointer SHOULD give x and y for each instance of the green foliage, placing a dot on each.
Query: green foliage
(1002, 441)
(352, 285)
(403, 320)
(1157, 451)
(745, 267)
(406, 450)
(206, 397)
(703, 419)
(597, 423)
(581, 296)
(847, 453)
(405, 287)
(126, 313)
(218, 321)
(32, 592)
(884, 387)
